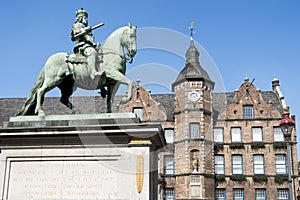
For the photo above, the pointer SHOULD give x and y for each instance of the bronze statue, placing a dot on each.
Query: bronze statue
(69, 71)
(84, 38)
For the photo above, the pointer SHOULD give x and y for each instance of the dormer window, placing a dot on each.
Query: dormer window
(248, 112)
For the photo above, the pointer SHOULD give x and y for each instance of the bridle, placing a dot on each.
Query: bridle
(128, 59)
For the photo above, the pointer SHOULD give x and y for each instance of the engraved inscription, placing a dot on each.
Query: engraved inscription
(61, 179)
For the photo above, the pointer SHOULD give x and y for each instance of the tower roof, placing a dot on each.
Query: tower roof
(193, 69)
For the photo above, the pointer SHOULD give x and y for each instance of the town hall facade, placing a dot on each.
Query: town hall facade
(220, 145)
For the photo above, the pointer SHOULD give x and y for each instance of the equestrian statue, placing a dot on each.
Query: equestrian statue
(91, 67)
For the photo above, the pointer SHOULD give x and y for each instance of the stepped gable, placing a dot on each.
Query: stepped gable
(219, 100)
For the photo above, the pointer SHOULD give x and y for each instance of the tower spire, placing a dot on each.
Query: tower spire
(193, 69)
(192, 29)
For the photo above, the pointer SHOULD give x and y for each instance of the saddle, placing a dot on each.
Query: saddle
(75, 58)
(78, 58)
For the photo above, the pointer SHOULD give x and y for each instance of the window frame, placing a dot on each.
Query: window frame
(242, 192)
(248, 112)
(286, 191)
(277, 165)
(168, 165)
(278, 135)
(194, 135)
(264, 194)
(260, 135)
(238, 165)
(240, 134)
(255, 165)
(222, 191)
(220, 135)
(169, 141)
(220, 165)
(172, 194)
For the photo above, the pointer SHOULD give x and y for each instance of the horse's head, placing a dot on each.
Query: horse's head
(129, 40)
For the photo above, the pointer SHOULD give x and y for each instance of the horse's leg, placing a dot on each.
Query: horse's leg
(48, 85)
(67, 88)
(109, 100)
(111, 92)
(122, 79)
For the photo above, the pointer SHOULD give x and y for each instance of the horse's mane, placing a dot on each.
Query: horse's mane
(115, 34)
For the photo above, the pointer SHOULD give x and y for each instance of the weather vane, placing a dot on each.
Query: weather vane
(192, 29)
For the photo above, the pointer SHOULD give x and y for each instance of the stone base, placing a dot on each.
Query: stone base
(107, 156)
(71, 120)
(75, 173)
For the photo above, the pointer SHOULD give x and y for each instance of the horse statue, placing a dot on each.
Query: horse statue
(67, 76)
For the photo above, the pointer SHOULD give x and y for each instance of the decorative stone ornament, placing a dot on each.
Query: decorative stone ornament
(194, 96)
(139, 173)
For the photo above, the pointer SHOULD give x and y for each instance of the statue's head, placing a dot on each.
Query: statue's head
(81, 16)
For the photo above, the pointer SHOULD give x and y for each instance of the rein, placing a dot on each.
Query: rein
(124, 58)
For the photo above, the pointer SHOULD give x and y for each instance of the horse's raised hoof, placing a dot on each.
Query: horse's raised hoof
(124, 100)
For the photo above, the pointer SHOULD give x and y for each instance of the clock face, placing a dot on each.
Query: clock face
(194, 96)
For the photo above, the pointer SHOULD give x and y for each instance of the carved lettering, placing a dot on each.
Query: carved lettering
(55, 179)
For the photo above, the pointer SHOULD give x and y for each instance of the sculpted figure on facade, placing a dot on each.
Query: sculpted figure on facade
(195, 163)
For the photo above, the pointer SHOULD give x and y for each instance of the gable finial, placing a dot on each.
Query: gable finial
(192, 29)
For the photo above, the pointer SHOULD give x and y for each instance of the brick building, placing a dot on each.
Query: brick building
(220, 145)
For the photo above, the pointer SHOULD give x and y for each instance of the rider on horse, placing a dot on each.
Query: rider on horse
(81, 33)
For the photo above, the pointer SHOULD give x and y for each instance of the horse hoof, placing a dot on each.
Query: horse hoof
(75, 111)
(41, 113)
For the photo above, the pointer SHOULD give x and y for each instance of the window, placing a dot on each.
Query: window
(218, 135)
(194, 131)
(169, 135)
(237, 164)
(169, 194)
(168, 164)
(138, 112)
(260, 194)
(280, 164)
(257, 134)
(220, 194)
(278, 135)
(248, 112)
(258, 164)
(282, 194)
(219, 164)
(238, 194)
(236, 135)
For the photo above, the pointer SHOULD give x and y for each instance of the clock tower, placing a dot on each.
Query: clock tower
(193, 140)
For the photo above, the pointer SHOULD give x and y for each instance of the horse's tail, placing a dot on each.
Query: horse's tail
(30, 104)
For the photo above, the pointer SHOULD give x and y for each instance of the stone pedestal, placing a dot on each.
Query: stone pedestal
(103, 156)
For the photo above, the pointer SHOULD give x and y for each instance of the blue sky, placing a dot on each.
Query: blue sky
(257, 39)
